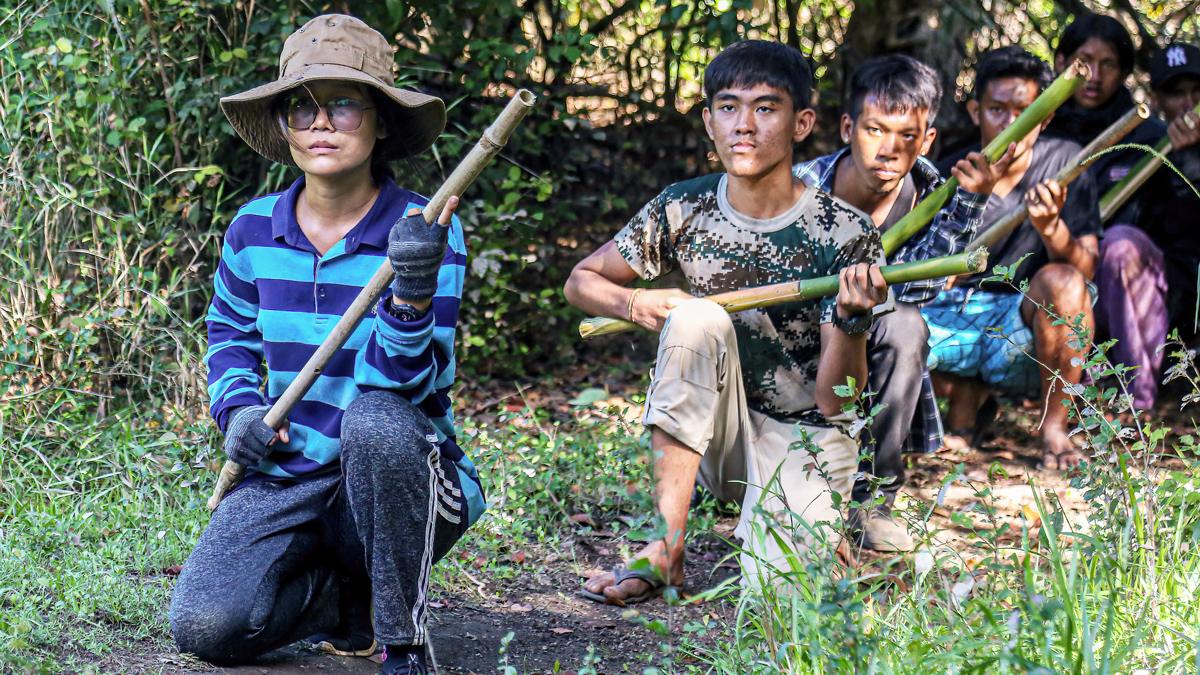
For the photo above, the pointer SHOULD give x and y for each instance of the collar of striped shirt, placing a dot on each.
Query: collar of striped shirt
(371, 231)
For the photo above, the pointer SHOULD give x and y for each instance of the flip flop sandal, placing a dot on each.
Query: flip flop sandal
(621, 574)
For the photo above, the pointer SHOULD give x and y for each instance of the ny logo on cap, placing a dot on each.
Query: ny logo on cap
(1176, 57)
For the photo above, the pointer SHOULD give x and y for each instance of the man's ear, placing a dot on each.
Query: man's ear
(1060, 63)
(847, 127)
(973, 111)
(805, 120)
(930, 136)
(706, 114)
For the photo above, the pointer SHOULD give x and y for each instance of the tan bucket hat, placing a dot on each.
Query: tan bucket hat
(337, 47)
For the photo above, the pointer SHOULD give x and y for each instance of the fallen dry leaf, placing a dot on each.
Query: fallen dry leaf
(584, 519)
(518, 607)
(562, 631)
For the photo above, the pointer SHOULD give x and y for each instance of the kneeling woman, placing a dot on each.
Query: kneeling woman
(343, 510)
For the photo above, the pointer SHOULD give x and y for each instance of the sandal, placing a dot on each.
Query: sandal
(621, 573)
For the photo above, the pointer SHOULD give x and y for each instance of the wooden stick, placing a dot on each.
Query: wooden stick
(1074, 169)
(492, 141)
(809, 289)
(1046, 103)
(1120, 193)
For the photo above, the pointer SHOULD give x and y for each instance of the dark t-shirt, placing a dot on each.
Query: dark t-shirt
(1171, 216)
(1081, 212)
(1081, 125)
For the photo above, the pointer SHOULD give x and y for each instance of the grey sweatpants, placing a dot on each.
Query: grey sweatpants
(896, 351)
(279, 559)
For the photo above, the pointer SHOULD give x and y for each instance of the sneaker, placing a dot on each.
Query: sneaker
(354, 644)
(877, 530)
(354, 634)
(404, 661)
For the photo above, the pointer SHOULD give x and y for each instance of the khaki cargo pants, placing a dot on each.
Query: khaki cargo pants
(697, 396)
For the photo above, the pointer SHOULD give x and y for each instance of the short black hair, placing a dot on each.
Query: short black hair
(899, 83)
(753, 62)
(1012, 61)
(1089, 25)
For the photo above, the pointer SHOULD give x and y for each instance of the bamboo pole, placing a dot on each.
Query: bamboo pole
(1120, 193)
(489, 145)
(809, 289)
(1074, 169)
(1046, 103)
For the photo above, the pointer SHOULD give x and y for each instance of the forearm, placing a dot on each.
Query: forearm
(1062, 246)
(842, 356)
(596, 295)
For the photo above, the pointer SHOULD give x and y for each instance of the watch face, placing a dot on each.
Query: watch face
(404, 312)
(854, 325)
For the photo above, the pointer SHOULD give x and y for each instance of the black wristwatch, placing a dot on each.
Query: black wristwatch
(404, 311)
(855, 325)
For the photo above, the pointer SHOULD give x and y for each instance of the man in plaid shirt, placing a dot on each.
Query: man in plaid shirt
(887, 126)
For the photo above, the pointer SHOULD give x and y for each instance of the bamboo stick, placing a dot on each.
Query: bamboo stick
(809, 289)
(1120, 193)
(1046, 103)
(1074, 169)
(489, 145)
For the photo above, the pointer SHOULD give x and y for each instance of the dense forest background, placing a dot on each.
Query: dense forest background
(120, 173)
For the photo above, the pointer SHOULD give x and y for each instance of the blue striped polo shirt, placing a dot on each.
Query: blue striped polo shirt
(276, 299)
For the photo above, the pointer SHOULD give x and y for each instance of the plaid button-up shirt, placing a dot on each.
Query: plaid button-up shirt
(951, 229)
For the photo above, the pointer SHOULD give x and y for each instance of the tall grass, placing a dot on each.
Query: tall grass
(1118, 594)
(104, 236)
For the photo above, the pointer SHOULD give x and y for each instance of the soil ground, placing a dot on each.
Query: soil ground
(553, 629)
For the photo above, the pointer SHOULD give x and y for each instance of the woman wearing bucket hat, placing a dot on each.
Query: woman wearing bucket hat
(345, 508)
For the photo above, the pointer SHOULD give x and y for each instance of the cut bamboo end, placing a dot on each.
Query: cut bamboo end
(1081, 70)
(977, 259)
(597, 326)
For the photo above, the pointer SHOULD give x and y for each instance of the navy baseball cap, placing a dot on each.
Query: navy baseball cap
(1174, 60)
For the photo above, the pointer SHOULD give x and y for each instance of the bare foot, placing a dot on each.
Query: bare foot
(1058, 451)
(669, 567)
(955, 442)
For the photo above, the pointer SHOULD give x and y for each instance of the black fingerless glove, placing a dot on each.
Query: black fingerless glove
(415, 249)
(247, 435)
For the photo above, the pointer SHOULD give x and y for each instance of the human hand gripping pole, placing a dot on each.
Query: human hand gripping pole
(1042, 107)
(489, 145)
(1117, 195)
(1073, 169)
(810, 289)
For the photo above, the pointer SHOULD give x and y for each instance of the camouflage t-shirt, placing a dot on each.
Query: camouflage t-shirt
(691, 226)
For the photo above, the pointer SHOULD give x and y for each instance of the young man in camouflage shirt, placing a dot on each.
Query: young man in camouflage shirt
(888, 127)
(731, 393)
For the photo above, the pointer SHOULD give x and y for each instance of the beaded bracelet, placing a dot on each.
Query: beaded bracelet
(632, 297)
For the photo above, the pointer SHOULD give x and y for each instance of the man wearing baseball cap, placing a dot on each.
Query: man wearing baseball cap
(1147, 272)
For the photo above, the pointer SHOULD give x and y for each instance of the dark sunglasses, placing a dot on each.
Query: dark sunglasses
(343, 112)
